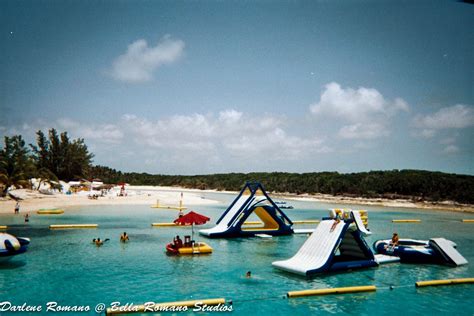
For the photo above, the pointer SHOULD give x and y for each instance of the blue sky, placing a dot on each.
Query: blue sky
(211, 86)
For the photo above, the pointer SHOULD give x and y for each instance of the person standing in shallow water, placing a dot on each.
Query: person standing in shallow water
(17, 207)
(124, 237)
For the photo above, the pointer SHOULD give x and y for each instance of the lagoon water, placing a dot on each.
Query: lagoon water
(65, 267)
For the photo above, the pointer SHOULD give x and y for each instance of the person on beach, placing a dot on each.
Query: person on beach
(124, 237)
(17, 207)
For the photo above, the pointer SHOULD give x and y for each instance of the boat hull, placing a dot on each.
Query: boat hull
(198, 249)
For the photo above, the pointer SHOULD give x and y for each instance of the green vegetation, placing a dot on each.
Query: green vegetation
(408, 184)
(53, 158)
(57, 157)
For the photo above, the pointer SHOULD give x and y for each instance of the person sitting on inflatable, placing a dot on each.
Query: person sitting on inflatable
(177, 242)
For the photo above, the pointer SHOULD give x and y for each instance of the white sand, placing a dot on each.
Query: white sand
(136, 195)
(148, 195)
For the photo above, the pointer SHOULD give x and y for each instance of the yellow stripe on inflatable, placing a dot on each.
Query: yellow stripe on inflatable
(444, 282)
(72, 226)
(338, 290)
(406, 220)
(157, 306)
(252, 223)
(468, 220)
(3, 227)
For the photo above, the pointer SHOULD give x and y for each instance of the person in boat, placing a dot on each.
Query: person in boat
(27, 218)
(177, 242)
(124, 237)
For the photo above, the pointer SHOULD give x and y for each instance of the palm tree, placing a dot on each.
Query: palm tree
(16, 165)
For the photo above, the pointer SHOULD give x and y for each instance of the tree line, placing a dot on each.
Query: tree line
(55, 156)
(417, 185)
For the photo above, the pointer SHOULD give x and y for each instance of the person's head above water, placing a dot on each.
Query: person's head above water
(248, 274)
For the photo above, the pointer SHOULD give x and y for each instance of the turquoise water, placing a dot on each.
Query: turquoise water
(63, 266)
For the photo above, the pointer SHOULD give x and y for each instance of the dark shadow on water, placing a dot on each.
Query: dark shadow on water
(12, 264)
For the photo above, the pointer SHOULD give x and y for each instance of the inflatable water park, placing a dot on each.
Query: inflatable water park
(11, 246)
(252, 199)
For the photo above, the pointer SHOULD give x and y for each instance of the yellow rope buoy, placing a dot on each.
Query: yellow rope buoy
(468, 220)
(50, 211)
(444, 282)
(72, 226)
(406, 220)
(3, 227)
(163, 224)
(308, 221)
(338, 290)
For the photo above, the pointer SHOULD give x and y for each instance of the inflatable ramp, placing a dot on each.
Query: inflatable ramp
(252, 199)
(332, 247)
(360, 225)
(445, 248)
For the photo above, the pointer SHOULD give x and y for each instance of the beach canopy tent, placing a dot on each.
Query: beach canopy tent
(252, 199)
(335, 245)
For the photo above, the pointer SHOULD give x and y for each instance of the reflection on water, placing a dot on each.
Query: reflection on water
(64, 266)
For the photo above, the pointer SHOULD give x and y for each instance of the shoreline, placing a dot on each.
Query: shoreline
(397, 203)
(148, 195)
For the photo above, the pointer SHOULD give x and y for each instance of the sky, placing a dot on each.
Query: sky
(198, 87)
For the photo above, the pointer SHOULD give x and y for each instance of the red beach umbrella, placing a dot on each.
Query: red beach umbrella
(192, 218)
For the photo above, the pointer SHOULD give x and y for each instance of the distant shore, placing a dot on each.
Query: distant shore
(148, 195)
(402, 203)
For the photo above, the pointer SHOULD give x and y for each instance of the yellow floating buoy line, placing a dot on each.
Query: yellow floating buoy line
(73, 226)
(163, 224)
(180, 306)
(53, 211)
(444, 282)
(337, 290)
(468, 220)
(406, 220)
(308, 221)
(3, 227)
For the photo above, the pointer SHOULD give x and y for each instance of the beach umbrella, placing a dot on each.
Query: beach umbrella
(192, 218)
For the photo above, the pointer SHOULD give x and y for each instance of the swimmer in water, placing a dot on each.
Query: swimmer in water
(124, 237)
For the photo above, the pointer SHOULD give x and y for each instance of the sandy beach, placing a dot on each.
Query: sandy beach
(148, 195)
(136, 195)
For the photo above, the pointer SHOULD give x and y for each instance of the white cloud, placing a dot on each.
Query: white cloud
(456, 116)
(359, 114)
(100, 133)
(363, 131)
(355, 106)
(451, 149)
(141, 60)
(228, 134)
